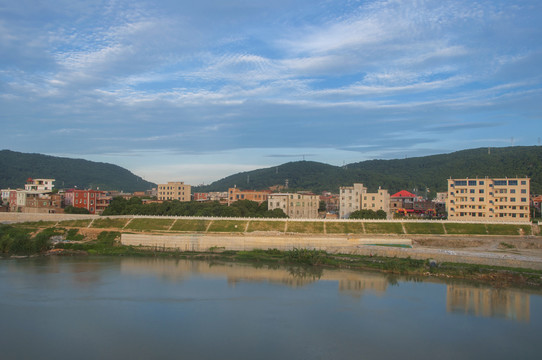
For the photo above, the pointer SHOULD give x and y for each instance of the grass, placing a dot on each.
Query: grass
(505, 229)
(266, 226)
(75, 223)
(228, 226)
(190, 225)
(149, 224)
(106, 223)
(344, 228)
(35, 224)
(306, 227)
(383, 228)
(424, 228)
(470, 229)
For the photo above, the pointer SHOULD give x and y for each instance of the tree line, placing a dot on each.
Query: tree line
(241, 208)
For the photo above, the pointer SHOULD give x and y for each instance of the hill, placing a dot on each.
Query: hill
(427, 172)
(16, 167)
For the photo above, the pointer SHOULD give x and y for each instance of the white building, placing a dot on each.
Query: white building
(353, 198)
(296, 206)
(39, 184)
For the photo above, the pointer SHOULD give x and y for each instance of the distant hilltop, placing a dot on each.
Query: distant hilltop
(17, 167)
(420, 174)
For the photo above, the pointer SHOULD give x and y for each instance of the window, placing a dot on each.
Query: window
(461, 183)
(512, 191)
(481, 183)
(512, 182)
(523, 199)
(524, 191)
(523, 182)
(481, 199)
(500, 182)
(513, 199)
(481, 191)
(472, 182)
(472, 191)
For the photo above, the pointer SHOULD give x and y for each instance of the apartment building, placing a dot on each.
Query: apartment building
(505, 199)
(95, 201)
(234, 194)
(174, 191)
(296, 206)
(39, 184)
(356, 197)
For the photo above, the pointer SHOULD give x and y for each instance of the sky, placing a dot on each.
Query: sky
(198, 90)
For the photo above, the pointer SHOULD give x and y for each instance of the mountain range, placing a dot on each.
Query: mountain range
(17, 167)
(419, 174)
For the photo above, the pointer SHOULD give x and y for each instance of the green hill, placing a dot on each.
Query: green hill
(16, 167)
(427, 172)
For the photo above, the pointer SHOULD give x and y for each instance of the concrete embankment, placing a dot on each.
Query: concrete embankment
(207, 242)
(341, 245)
(14, 217)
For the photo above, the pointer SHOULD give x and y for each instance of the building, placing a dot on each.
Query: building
(95, 201)
(38, 202)
(234, 194)
(332, 202)
(296, 206)
(402, 200)
(222, 197)
(174, 191)
(356, 197)
(39, 184)
(505, 199)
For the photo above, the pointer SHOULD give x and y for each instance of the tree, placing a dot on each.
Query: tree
(368, 214)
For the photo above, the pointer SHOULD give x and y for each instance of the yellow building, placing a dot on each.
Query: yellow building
(353, 198)
(174, 191)
(504, 199)
(296, 206)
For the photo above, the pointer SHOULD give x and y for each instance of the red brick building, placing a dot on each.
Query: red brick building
(94, 201)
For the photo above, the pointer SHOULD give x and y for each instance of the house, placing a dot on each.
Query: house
(356, 197)
(174, 191)
(234, 194)
(296, 206)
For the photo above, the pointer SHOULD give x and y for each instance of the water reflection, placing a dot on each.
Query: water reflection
(488, 302)
(460, 298)
(91, 273)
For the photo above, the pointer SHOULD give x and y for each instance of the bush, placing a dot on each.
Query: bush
(75, 210)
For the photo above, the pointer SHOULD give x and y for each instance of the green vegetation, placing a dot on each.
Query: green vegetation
(423, 228)
(384, 228)
(75, 210)
(105, 223)
(368, 214)
(75, 223)
(266, 226)
(228, 226)
(394, 175)
(17, 167)
(344, 227)
(190, 225)
(471, 229)
(18, 241)
(242, 208)
(150, 224)
(316, 227)
(505, 229)
(35, 224)
(72, 235)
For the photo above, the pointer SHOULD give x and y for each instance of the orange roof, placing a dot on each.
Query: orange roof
(403, 194)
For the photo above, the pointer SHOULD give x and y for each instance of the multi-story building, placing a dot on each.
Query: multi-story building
(39, 184)
(296, 206)
(174, 191)
(353, 198)
(95, 201)
(403, 200)
(488, 199)
(234, 194)
(38, 202)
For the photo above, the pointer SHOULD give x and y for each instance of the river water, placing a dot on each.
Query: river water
(146, 308)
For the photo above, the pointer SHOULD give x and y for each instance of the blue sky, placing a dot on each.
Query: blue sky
(198, 90)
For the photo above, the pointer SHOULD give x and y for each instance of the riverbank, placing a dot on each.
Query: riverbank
(496, 276)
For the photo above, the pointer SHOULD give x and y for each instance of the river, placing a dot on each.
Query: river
(147, 308)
